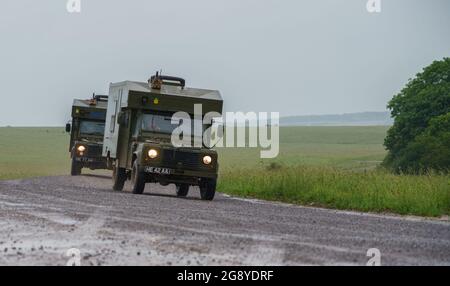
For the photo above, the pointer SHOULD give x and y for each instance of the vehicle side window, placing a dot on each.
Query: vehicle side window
(112, 124)
(117, 101)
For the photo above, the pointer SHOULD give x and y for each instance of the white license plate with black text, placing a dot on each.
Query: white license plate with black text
(158, 170)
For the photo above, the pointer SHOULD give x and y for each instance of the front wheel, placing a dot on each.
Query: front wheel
(137, 179)
(182, 190)
(75, 169)
(208, 189)
(119, 177)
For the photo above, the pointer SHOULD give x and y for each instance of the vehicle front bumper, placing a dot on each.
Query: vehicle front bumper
(170, 175)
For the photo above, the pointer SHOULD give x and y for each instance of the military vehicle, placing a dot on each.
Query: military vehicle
(86, 133)
(138, 144)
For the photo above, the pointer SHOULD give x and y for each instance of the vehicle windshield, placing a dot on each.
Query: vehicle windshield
(94, 128)
(163, 124)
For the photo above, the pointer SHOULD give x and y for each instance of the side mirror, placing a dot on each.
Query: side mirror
(215, 135)
(218, 127)
(122, 118)
(68, 128)
(220, 130)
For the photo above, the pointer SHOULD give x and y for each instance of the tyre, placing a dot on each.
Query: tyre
(119, 177)
(208, 189)
(182, 190)
(137, 179)
(75, 169)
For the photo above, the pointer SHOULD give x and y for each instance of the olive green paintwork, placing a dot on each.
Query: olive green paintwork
(127, 100)
(93, 110)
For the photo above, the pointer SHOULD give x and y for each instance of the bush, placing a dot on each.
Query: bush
(429, 150)
(274, 166)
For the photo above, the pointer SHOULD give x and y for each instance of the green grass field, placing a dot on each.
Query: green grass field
(343, 147)
(32, 152)
(332, 167)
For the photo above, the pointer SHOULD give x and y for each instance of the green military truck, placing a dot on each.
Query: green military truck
(137, 142)
(86, 133)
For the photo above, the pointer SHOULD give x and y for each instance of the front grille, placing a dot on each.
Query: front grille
(187, 160)
(94, 150)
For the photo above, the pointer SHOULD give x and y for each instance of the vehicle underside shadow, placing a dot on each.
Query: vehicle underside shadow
(97, 176)
(170, 196)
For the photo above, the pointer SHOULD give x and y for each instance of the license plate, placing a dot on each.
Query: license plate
(85, 160)
(157, 170)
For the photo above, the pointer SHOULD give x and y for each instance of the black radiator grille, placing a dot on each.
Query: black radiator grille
(174, 159)
(94, 150)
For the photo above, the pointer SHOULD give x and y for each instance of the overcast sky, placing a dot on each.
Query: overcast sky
(294, 57)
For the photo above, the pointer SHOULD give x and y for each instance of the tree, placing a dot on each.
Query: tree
(429, 150)
(420, 113)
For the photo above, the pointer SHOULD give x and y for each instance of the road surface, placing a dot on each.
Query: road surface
(41, 219)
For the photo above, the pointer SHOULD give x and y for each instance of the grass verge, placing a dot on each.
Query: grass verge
(373, 191)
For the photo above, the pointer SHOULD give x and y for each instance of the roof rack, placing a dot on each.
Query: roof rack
(157, 80)
(100, 97)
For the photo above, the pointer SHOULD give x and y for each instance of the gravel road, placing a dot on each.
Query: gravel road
(42, 218)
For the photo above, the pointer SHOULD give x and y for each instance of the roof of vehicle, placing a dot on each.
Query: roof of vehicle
(86, 103)
(171, 90)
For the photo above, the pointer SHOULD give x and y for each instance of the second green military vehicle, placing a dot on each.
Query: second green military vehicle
(86, 133)
(138, 143)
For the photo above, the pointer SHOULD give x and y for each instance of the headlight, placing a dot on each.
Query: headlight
(207, 160)
(152, 153)
(81, 148)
